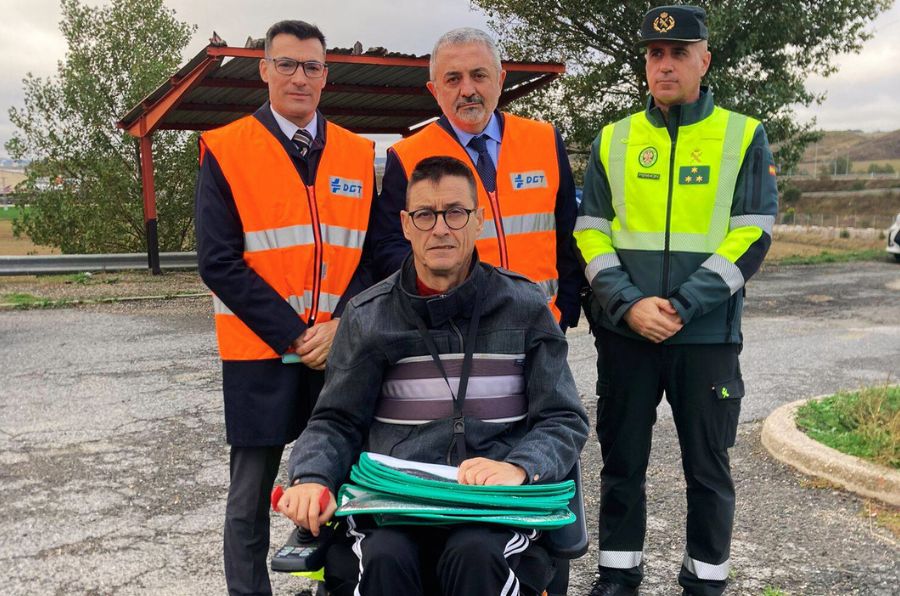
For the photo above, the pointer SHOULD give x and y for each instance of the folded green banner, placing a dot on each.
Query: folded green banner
(399, 491)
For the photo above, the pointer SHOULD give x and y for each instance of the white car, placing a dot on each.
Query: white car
(893, 238)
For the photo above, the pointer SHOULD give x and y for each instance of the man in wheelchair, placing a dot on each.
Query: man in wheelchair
(451, 361)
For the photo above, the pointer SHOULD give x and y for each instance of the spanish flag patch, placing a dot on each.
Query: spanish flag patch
(772, 170)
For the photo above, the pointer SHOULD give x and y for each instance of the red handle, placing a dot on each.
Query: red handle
(277, 492)
(324, 499)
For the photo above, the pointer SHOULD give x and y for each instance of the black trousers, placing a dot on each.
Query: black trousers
(246, 532)
(702, 383)
(465, 560)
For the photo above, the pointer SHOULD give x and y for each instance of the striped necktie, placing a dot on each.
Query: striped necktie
(302, 139)
(485, 165)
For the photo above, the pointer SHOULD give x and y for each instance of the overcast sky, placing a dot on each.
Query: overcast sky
(864, 94)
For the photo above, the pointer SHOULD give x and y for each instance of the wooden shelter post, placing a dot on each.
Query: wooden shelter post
(149, 194)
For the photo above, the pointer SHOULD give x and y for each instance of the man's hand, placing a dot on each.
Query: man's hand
(480, 470)
(301, 504)
(315, 344)
(654, 318)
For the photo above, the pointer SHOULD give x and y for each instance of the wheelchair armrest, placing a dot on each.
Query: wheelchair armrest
(571, 541)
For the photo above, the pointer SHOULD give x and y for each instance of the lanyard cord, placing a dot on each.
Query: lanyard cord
(459, 399)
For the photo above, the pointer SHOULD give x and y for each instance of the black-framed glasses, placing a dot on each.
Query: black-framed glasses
(313, 69)
(456, 218)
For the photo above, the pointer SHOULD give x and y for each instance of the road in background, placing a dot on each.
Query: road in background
(113, 468)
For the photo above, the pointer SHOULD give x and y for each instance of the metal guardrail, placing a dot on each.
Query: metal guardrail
(56, 264)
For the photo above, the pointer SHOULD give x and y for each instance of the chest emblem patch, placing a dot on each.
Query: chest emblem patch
(693, 175)
(648, 157)
(526, 180)
(345, 187)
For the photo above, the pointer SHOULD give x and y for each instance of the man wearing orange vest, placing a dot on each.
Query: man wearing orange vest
(283, 201)
(525, 181)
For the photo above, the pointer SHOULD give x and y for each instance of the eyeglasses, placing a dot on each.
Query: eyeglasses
(288, 66)
(456, 218)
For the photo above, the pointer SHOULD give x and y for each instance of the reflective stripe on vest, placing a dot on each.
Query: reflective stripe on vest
(414, 391)
(302, 235)
(327, 303)
(708, 156)
(519, 219)
(305, 242)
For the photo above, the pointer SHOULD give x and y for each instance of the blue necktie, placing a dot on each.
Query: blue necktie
(484, 165)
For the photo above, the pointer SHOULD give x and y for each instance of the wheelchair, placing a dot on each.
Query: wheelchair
(543, 569)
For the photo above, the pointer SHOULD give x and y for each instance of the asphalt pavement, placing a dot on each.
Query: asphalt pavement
(113, 467)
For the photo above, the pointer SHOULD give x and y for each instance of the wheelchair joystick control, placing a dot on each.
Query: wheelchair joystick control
(302, 551)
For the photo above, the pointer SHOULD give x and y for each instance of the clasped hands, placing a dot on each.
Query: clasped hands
(314, 344)
(654, 318)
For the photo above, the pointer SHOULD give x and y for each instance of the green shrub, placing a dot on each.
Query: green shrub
(789, 215)
(865, 424)
(791, 194)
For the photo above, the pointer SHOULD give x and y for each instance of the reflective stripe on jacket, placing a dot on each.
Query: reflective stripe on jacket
(305, 241)
(681, 210)
(520, 222)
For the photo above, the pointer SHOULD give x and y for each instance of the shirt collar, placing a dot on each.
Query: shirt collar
(289, 128)
(492, 131)
(689, 113)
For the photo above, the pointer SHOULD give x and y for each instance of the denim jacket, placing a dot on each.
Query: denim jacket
(378, 334)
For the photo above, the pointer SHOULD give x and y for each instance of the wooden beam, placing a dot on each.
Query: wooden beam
(508, 97)
(376, 89)
(234, 83)
(385, 113)
(329, 87)
(218, 107)
(154, 114)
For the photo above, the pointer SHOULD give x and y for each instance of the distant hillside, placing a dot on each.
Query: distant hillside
(863, 148)
(9, 178)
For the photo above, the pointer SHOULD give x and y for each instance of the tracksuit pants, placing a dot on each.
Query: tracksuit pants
(702, 383)
(468, 560)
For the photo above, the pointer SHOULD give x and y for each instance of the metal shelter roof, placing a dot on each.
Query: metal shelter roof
(367, 92)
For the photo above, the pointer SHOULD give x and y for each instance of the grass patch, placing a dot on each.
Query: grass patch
(21, 300)
(833, 257)
(864, 424)
(770, 591)
(9, 212)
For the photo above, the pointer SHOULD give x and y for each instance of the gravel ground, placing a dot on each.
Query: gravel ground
(113, 470)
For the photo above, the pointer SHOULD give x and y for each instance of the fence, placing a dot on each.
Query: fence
(822, 220)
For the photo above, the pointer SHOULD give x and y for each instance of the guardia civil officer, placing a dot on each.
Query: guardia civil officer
(283, 200)
(677, 215)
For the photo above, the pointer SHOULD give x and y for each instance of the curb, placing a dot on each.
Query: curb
(65, 303)
(786, 443)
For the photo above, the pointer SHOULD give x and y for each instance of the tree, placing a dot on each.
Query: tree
(839, 166)
(84, 183)
(762, 56)
(886, 168)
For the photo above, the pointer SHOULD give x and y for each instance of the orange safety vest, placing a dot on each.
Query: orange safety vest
(519, 217)
(305, 241)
